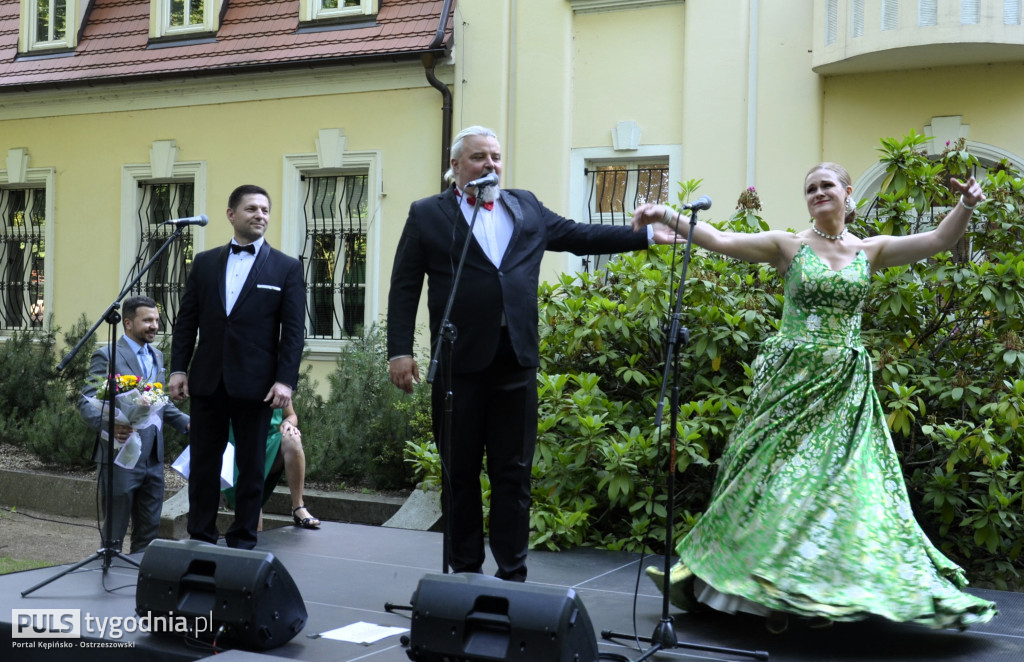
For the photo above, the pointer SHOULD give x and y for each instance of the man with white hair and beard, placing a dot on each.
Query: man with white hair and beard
(494, 356)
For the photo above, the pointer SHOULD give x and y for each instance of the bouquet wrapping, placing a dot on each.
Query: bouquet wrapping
(136, 404)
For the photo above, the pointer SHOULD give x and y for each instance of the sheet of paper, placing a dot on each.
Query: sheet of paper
(362, 633)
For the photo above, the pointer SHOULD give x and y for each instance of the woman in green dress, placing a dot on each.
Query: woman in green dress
(809, 514)
(284, 455)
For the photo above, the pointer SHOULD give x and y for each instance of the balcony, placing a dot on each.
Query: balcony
(862, 36)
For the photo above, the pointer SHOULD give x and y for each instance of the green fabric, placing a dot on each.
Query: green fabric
(809, 513)
(273, 447)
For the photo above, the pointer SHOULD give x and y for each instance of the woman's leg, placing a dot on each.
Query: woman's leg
(295, 474)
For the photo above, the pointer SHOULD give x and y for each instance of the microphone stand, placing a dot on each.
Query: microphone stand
(110, 548)
(664, 636)
(444, 345)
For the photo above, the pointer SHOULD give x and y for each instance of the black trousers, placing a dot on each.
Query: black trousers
(494, 411)
(208, 437)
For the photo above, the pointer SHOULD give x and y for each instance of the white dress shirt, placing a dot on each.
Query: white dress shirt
(238, 268)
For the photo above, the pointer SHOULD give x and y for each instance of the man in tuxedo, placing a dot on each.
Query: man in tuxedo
(246, 303)
(495, 354)
(138, 493)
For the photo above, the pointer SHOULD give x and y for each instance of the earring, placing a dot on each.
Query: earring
(850, 207)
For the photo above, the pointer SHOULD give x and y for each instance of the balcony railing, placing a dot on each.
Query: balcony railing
(860, 36)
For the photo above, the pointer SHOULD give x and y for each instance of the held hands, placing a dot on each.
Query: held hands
(971, 191)
(650, 213)
(403, 373)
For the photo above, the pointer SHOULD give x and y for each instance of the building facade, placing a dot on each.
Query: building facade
(117, 115)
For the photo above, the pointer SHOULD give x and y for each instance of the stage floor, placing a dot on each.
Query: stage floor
(347, 572)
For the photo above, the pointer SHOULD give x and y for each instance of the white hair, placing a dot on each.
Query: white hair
(457, 145)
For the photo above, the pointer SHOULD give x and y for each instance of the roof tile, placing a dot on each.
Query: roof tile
(115, 42)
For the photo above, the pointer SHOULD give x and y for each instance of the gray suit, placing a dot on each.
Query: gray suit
(138, 492)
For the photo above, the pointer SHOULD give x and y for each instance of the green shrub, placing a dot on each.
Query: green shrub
(945, 336)
(358, 433)
(600, 467)
(38, 403)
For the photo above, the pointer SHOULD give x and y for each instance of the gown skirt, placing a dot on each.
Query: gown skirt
(809, 513)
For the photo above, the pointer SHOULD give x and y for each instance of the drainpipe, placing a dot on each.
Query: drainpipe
(752, 76)
(429, 62)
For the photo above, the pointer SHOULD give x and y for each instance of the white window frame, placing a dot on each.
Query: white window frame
(292, 228)
(33, 178)
(313, 10)
(160, 20)
(578, 199)
(30, 39)
(132, 176)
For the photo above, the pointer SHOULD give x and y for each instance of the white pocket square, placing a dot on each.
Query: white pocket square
(268, 287)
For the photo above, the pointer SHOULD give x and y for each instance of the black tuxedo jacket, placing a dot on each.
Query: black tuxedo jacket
(431, 245)
(258, 344)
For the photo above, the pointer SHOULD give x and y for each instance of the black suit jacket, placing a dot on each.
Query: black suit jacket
(258, 344)
(431, 245)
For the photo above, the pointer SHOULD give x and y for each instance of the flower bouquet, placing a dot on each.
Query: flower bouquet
(137, 404)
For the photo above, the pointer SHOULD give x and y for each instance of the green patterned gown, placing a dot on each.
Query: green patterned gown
(809, 513)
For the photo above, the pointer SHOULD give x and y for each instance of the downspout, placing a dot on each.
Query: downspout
(429, 62)
(752, 74)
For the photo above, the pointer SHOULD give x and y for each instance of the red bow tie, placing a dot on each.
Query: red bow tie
(471, 199)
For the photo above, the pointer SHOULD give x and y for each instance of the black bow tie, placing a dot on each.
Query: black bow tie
(249, 248)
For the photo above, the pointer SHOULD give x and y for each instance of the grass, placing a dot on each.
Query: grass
(9, 565)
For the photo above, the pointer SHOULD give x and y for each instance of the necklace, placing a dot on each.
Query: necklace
(830, 237)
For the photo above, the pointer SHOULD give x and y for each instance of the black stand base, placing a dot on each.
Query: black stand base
(108, 554)
(664, 638)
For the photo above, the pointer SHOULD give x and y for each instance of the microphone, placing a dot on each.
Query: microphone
(490, 179)
(200, 220)
(703, 202)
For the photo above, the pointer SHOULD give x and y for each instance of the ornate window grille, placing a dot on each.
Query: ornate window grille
(165, 280)
(614, 191)
(22, 249)
(334, 254)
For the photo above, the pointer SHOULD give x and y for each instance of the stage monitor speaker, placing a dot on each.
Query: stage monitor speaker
(477, 618)
(239, 597)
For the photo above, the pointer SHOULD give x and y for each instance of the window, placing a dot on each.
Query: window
(927, 13)
(970, 12)
(857, 18)
(608, 184)
(330, 219)
(151, 194)
(1011, 12)
(334, 254)
(50, 24)
(183, 18)
(615, 190)
(890, 14)
(327, 10)
(22, 258)
(831, 21)
(164, 282)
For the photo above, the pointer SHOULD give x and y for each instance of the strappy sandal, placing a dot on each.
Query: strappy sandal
(305, 522)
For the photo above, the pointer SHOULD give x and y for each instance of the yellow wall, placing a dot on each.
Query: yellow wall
(861, 109)
(628, 71)
(548, 80)
(241, 141)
